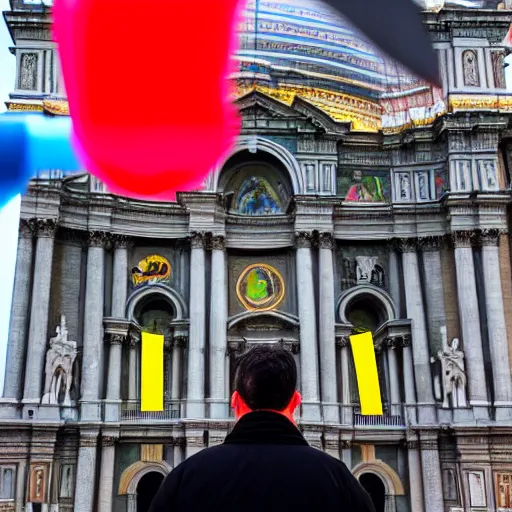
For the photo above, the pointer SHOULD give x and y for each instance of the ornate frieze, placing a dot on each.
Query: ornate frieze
(303, 240)
(463, 239)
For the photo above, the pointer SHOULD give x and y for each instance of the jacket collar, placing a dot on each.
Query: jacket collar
(265, 427)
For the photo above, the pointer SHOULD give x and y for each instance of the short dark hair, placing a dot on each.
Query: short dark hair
(266, 377)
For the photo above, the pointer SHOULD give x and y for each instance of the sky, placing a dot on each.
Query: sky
(9, 215)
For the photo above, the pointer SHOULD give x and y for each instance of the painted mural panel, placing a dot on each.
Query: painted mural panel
(260, 287)
(442, 183)
(256, 196)
(152, 269)
(262, 283)
(365, 186)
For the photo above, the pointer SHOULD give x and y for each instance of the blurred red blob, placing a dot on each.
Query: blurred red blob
(148, 90)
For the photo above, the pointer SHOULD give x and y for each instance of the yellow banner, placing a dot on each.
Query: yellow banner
(367, 375)
(152, 373)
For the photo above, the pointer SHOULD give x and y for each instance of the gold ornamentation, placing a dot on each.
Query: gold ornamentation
(24, 107)
(58, 108)
(152, 452)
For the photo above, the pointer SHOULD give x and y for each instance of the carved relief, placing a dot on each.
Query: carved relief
(403, 186)
(429, 243)
(28, 71)
(470, 68)
(498, 67)
(37, 483)
(504, 490)
(462, 239)
(98, 239)
(46, 228)
(27, 228)
(349, 274)
(197, 240)
(218, 243)
(303, 240)
(463, 175)
(368, 271)
(406, 244)
(488, 174)
(489, 237)
(59, 367)
(325, 240)
(423, 188)
(477, 494)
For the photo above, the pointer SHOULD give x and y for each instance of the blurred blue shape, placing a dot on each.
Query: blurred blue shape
(29, 145)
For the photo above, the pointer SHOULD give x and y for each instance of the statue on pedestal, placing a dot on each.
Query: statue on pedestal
(453, 375)
(59, 367)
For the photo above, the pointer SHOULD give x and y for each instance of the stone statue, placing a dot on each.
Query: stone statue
(422, 187)
(470, 67)
(454, 375)
(490, 175)
(405, 187)
(59, 366)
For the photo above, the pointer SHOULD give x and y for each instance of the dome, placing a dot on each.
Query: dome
(302, 48)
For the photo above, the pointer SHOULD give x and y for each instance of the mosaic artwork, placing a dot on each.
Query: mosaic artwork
(260, 287)
(151, 270)
(257, 197)
(366, 187)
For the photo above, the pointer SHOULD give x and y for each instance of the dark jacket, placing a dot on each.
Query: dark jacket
(264, 465)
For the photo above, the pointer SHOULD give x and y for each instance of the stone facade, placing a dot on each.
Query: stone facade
(300, 263)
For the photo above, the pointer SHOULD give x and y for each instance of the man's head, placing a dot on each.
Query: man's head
(266, 379)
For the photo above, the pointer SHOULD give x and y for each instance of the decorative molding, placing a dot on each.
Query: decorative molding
(405, 245)
(46, 228)
(303, 240)
(108, 441)
(325, 240)
(88, 441)
(429, 243)
(218, 243)
(463, 239)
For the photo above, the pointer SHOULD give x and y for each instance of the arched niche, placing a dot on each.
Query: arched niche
(133, 474)
(389, 477)
(374, 300)
(267, 151)
(156, 292)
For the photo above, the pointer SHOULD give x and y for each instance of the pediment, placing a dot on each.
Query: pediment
(258, 104)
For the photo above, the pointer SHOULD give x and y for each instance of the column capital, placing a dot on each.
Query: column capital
(27, 228)
(46, 228)
(98, 239)
(406, 341)
(489, 237)
(122, 241)
(325, 240)
(237, 348)
(429, 243)
(303, 240)
(88, 441)
(405, 245)
(117, 339)
(180, 341)
(342, 341)
(392, 342)
(198, 240)
(290, 346)
(133, 339)
(463, 239)
(218, 243)
(108, 441)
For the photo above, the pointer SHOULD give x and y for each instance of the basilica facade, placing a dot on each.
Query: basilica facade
(355, 199)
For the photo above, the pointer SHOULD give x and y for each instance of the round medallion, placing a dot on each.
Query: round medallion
(260, 287)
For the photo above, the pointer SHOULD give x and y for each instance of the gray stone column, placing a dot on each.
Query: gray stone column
(434, 291)
(20, 485)
(308, 338)
(16, 344)
(85, 471)
(470, 321)
(93, 353)
(415, 476)
(218, 330)
(106, 488)
(416, 312)
(120, 280)
(112, 409)
(38, 330)
(498, 343)
(326, 329)
(408, 370)
(197, 330)
(431, 469)
(179, 343)
(346, 409)
(133, 343)
(394, 279)
(393, 377)
(346, 453)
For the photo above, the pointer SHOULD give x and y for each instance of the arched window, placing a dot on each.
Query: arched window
(470, 68)
(256, 196)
